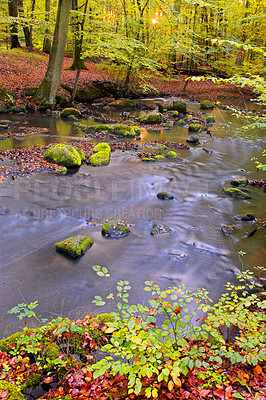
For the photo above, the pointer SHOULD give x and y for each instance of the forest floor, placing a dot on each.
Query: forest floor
(20, 69)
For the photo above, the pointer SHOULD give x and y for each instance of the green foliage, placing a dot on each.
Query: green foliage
(176, 347)
(259, 164)
(13, 392)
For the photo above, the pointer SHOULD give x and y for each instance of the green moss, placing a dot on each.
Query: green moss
(70, 111)
(74, 246)
(124, 130)
(181, 122)
(63, 169)
(62, 154)
(210, 119)
(5, 343)
(32, 381)
(195, 127)
(174, 114)
(105, 318)
(178, 105)
(152, 119)
(167, 124)
(239, 181)
(101, 128)
(115, 228)
(237, 193)
(124, 103)
(172, 154)
(13, 392)
(165, 196)
(206, 105)
(159, 157)
(100, 158)
(102, 147)
(148, 159)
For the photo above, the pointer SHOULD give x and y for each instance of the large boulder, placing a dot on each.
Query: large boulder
(172, 155)
(103, 146)
(193, 139)
(74, 246)
(115, 228)
(100, 158)
(177, 105)
(63, 154)
(152, 119)
(124, 130)
(195, 127)
(70, 111)
(206, 105)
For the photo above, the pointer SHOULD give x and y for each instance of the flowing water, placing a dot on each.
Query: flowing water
(39, 210)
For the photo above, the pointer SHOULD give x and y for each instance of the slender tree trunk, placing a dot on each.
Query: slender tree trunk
(32, 10)
(47, 40)
(47, 90)
(13, 12)
(25, 27)
(78, 62)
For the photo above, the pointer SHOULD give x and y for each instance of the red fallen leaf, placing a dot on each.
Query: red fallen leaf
(49, 379)
(75, 392)
(219, 393)
(204, 392)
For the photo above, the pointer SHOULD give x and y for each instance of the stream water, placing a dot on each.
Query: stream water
(39, 210)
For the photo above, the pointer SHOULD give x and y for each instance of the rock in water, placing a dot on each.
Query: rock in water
(237, 193)
(195, 127)
(165, 196)
(159, 229)
(102, 147)
(70, 111)
(248, 217)
(115, 228)
(193, 139)
(63, 154)
(206, 105)
(100, 158)
(74, 246)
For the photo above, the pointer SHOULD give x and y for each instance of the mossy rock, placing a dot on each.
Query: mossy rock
(237, 193)
(210, 119)
(206, 105)
(32, 381)
(13, 392)
(161, 108)
(248, 217)
(159, 157)
(174, 114)
(165, 196)
(181, 122)
(74, 246)
(180, 106)
(228, 229)
(62, 154)
(102, 147)
(239, 181)
(100, 158)
(123, 103)
(124, 130)
(101, 128)
(193, 139)
(159, 229)
(195, 127)
(172, 155)
(115, 228)
(152, 119)
(167, 124)
(105, 318)
(70, 111)
(6, 123)
(148, 159)
(12, 339)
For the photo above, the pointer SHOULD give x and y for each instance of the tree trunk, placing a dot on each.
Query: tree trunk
(47, 90)
(25, 27)
(13, 12)
(47, 40)
(32, 10)
(78, 62)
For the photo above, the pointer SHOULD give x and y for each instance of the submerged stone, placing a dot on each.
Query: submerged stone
(123, 103)
(152, 119)
(165, 196)
(206, 105)
(248, 217)
(195, 127)
(193, 139)
(159, 229)
(74, 246)
(100, 158)
(102, 147)
(228, 229)
(70, 111)
(115, 228)
(237, 193)
(172, 155)
(239, 181)
(66, 155)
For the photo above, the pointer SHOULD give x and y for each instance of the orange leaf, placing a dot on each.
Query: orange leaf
(170, 385)
(257, 370)
(49, 379)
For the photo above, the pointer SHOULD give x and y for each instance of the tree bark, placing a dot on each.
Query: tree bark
(47, 40)
(13, 12)
(78, 62)
(47, 90)
(25, 27)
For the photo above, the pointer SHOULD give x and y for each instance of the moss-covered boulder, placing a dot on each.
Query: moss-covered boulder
(195, 127)
(115, 228)
(70, 111)
(124, 130)
(172, 155)
(11, 391)
(159, 229)
(152, 119)
(148, 159)
(101, 128)
(74, 246)
(174, 114)
(248, 217)
(210, 119)
(177, 105)
(32, 381)
(123, 103)
(100, 158)
(102, 147)
(168, 124)
(206, 105)
(239, 181)
(63, 154)
(5, 124)
(181, 122)
(159, 157)
(165, 196)
(237, 193)
(193, 139)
